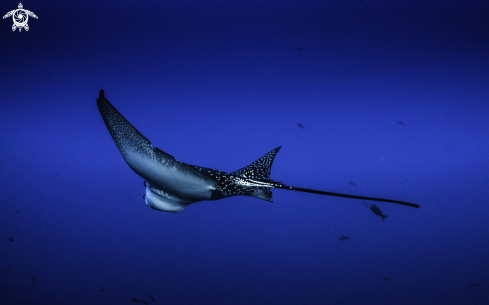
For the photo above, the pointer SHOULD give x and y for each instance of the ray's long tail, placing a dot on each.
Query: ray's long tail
(299, 189)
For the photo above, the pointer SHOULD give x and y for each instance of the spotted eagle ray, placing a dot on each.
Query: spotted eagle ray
(172, 185)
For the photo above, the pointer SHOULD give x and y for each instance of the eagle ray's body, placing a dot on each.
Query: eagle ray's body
(172, 185)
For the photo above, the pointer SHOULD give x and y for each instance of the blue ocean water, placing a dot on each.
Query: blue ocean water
(392, 96)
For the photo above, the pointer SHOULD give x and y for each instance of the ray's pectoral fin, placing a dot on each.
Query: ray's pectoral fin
(252, 180)
(136, 149)
(259, 171)
(128, 139)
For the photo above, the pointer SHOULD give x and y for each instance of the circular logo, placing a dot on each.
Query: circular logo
(20, 18)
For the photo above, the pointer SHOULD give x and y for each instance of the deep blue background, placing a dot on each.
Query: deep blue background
(219, 84)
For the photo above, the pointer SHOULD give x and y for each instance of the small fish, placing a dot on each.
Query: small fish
(388, 278)
(144, 302)
(152, 299)
(300, 125)
(9, 268)
(353, 183)
(300, 49)
(474, 285)
(401, 123)
(135, 300)
(342, 237)
(18, 211)
(431, 87)
(377, 211)
(34, 277)
(5, 273)
(102, 289)
(10, 239)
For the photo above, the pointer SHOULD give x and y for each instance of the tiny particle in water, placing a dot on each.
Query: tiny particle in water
(300, 125)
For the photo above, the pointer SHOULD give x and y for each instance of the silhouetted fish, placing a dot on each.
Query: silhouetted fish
(474, 285)
(342, 237)
(102, 289)
(300, 125)
(401, 123)
(10, 239)
(387, 278)
(377, 211)
(34, 277)
(17, 212)
(135, 300)
(152, 299)
(300, 49)
(5, 273)
(352, 183)
(9, 268)
(144, 302)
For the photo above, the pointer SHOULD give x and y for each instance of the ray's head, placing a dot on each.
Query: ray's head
(162, 201)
